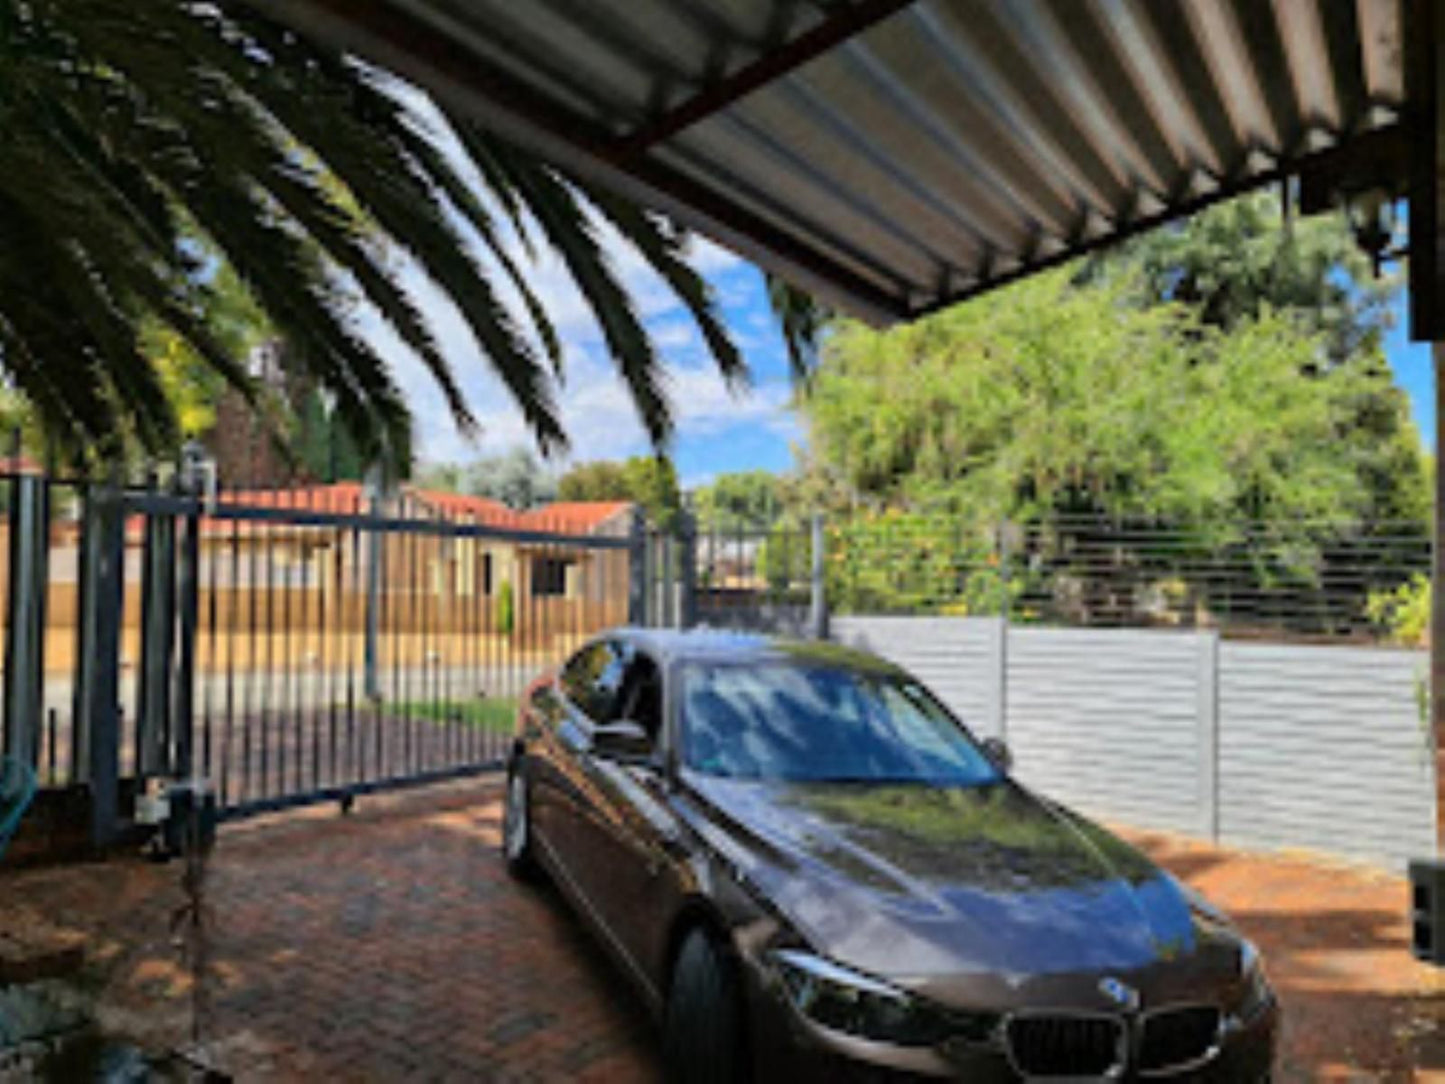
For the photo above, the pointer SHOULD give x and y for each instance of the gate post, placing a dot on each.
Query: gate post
(666, 581)
(818, 599)
(98, 688)
(687, 572)
(637, 568)
(1208, 733)
(25, 619)
(157, 615)
(187, 616)
(373, 559)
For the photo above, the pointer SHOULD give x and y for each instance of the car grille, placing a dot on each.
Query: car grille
(1066, 1046)
(1174, 1039)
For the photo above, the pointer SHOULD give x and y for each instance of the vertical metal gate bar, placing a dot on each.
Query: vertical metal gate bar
(99, 688)
(265, 674)
(291, 675)
(84, 636)
(188, 603)
(332, 655)
(208, 673)
(233, 613)
(373, 559)
(248, 785)
(637, 569)
(25, 619)
(687, 572)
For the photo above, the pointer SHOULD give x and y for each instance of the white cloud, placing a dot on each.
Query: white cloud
(673, 334)
(593, 402)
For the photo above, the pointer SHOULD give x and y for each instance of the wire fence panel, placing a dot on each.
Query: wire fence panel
(1329, 581)
(754, 578)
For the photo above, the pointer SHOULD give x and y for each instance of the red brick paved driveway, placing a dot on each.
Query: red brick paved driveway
(386, 945)
(391, 944)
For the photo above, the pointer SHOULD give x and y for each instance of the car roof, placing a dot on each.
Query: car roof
(731, 646)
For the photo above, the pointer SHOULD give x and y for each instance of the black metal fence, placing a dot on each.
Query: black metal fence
(287, 645)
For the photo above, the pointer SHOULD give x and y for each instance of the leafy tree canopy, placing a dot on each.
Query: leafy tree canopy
(650, 481)
(1233, 261)
(1047, 397)
(516, 478)
(741, 500)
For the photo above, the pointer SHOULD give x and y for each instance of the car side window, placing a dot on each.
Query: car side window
(593, 680)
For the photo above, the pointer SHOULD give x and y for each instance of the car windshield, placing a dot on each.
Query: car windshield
(822, 724)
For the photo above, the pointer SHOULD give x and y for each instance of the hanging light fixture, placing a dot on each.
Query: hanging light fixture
(1374, 218)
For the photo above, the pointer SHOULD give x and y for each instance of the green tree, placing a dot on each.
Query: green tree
(516, 478)
(444, 476)
(1048, 400)
(741, 500)
(148, 144)
(1231, 262)
(650, 481)
(324, 448)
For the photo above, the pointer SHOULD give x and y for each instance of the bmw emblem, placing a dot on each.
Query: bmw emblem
(1121, 994)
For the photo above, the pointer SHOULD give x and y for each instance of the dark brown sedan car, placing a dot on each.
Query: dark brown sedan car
(814, 872)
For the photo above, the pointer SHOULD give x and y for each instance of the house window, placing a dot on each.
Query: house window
(486, 573)
(549, 577)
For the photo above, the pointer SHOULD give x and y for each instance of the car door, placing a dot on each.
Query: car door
(584, 692)
(634, 838)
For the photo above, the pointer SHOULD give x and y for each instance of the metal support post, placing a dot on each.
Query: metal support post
(687, 572)
(157, 649)
(637, 568)
(98, 693)
(818, 601)
(371, 683)
(25, 618)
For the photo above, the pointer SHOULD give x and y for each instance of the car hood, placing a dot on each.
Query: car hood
(934, 885)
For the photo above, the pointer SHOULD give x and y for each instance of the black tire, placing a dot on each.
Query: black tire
(702, 1039)
(518, 849)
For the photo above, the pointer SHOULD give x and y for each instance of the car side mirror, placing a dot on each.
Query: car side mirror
(997, 750)
(623, 740)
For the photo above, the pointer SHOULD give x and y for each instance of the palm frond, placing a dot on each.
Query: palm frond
(802, 320)
(146, 142)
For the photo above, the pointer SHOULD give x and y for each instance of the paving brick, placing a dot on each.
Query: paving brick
(392, 943)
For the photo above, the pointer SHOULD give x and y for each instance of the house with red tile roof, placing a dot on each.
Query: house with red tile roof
(434, 582)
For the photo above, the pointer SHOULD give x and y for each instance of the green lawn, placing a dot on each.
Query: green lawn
(496, 714)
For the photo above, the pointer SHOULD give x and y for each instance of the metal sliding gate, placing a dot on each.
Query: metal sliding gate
(292, 646)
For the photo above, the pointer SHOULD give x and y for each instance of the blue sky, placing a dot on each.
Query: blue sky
(1411, 365)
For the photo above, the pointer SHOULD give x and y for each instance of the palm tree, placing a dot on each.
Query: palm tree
(145, 144)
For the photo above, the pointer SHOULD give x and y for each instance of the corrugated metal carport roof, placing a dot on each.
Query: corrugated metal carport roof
(895, 156)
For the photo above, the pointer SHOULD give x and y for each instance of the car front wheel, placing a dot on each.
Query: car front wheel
(702, 1029)
(517, 827)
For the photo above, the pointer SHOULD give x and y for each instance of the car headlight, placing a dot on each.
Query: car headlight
(844, 1000)
(1257, 993)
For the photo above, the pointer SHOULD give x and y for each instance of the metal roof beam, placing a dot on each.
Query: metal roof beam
(771, 66)
(1425, 97)
(380, 32)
